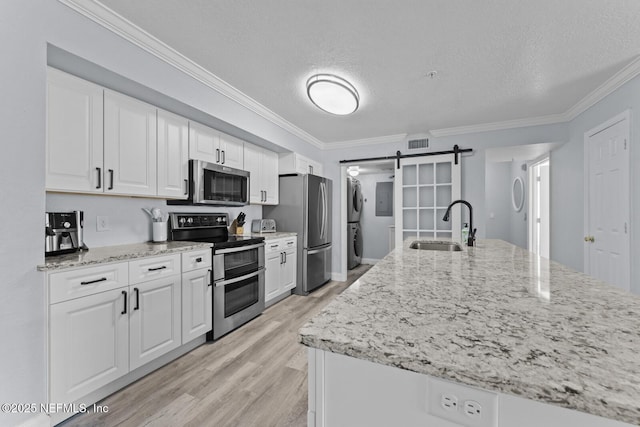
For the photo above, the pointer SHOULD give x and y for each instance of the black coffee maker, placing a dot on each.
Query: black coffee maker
(63, 232)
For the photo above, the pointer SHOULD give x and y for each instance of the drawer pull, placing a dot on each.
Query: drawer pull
(137, 291)
(199, 259)
(157, 268)
(124, 311)
(102, 279)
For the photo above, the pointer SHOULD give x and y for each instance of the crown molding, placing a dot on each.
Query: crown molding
(630, 71)
(124, 28)
(389, 139)
(508, 124)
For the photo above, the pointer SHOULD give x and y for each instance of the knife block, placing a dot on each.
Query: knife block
(235, 229)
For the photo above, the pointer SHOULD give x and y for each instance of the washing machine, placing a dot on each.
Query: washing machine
(354, 244)
(354, 200)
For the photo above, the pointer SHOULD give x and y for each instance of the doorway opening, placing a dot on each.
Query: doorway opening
(539, 219)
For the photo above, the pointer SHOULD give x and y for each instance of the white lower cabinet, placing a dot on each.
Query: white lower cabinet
(88, 344)
(196, 304)
(154, 319)
(280, 266)
(108, 320)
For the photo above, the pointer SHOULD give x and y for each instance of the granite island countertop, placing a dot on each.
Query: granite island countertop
(496, 317)
(105, 254)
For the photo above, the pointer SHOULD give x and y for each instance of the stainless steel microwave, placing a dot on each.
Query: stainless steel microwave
(215, 184)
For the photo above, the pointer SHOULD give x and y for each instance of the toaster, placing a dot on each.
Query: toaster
(263, 226)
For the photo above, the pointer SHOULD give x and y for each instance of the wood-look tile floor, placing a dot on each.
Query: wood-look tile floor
(254, 376)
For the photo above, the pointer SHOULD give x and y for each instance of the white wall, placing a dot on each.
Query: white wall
(375, 229)
(25, 29)
(518, 220)
(498, 200)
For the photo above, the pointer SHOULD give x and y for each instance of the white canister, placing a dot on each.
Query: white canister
(160, 231)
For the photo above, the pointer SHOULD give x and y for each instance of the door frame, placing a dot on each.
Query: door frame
(625, 115)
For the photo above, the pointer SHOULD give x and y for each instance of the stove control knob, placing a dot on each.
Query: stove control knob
(66, 224)
(219, 219)
(190, 220)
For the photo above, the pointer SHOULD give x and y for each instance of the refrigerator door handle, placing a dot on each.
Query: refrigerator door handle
(317, 251)
(324, 210)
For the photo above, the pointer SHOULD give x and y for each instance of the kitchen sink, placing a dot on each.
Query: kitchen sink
(430, 245)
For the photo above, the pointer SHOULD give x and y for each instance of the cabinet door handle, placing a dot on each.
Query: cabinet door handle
(281, 258)
(186, 187)
(137, 291)
(99, 170)
(223, 157)
(210, 278)
(157, 268)
(265, 195)
(102, 279)
(199, 259)
(217, 155)
(111, 179)
(285, 257)
(124, 311)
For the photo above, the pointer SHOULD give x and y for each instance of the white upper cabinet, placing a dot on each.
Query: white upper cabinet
(173, 155)
(263, 179)
(130, 145)
(74, 134)
(296, 163)
(212, 146)
(232, 151)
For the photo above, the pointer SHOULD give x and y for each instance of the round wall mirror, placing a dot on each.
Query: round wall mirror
(517, 194)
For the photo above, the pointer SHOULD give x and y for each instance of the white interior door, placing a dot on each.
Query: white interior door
(539, 208)
(607, 202)
(423, 189)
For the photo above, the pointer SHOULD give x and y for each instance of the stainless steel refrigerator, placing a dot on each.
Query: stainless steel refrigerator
(305, 207)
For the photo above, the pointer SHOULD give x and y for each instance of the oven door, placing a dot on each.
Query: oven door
(219, 185)
(234, 262)
(236, 301)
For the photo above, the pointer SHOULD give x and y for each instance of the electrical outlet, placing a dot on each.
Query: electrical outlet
(449, 402)
(472, 409)
(463, 405)
(102, 223)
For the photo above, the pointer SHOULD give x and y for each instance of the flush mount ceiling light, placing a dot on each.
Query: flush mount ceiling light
(353, 170)
(333, 94)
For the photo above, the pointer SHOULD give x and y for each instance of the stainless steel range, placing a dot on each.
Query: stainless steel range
(238, 268)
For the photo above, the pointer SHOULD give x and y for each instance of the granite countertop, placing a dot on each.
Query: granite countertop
(497, 317)
(106, 254)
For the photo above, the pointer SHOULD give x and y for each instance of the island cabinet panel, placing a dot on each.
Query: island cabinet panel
(88, 344)
(352, 392)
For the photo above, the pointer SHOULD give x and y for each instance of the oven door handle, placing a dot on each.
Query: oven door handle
(239, 279)
(238, 249)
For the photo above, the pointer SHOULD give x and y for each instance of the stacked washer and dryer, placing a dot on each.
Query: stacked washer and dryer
(354, 233)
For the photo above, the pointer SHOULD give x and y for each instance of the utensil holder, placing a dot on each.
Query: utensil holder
(160, 231)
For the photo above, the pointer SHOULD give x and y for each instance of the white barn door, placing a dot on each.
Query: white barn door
(607, 202)
(423, 189)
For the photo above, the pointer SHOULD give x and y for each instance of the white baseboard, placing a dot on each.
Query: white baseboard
(371, 261)
(40, 420)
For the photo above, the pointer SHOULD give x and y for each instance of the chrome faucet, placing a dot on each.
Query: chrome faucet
(472, 231)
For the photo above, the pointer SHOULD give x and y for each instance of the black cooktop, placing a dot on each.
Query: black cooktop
(207, 227)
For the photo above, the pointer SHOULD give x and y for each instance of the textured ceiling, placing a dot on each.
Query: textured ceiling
(496, 60)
